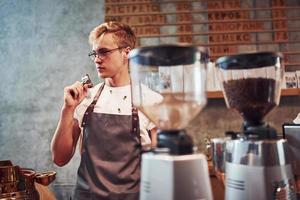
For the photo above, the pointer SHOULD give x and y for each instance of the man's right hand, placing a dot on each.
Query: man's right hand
(74, 94)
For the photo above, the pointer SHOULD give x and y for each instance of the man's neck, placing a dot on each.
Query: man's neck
(117, 82)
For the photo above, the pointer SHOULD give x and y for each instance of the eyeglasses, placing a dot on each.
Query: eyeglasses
(101, 53)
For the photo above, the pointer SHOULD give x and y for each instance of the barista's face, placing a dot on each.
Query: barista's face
(111, 60)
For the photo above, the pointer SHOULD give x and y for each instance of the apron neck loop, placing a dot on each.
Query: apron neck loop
(90, 109)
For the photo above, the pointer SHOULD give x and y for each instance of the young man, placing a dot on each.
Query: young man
(111, 130)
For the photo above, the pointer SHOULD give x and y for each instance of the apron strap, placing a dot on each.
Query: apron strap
(135, 120)
(135, 123)
(90, 108)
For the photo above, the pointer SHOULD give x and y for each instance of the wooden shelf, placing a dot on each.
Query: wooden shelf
(290, 92)
(214, 94)
(284, 92)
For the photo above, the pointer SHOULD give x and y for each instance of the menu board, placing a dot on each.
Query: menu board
(225, 27)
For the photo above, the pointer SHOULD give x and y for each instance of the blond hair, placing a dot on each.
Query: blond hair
(122, 33)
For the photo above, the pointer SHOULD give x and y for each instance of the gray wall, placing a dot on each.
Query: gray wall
(43, 45)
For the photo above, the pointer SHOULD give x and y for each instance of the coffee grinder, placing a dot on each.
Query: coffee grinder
(257, 161)
(174, 77)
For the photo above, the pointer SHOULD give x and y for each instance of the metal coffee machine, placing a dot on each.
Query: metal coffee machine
(291, 132)
(18, 183)
(176, 74)
(217, 152)
(257, 161)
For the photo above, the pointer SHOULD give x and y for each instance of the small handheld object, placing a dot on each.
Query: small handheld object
(85, 80)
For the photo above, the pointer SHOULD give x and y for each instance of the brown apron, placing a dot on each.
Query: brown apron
(111, 155)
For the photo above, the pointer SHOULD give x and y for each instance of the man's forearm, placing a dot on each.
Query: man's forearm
(65, 138)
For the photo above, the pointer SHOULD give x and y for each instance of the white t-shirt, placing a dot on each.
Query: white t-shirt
(117, 101)
(297, 119)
